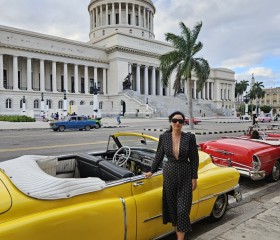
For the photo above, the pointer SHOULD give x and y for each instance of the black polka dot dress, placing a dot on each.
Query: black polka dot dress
(177, 178)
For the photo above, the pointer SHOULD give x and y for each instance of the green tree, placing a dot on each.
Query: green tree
(257, 92)
(182, 60)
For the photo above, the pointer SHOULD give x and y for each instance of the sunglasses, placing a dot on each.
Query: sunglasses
(175, 120)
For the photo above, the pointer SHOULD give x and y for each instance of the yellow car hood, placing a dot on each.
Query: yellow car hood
(5, 197)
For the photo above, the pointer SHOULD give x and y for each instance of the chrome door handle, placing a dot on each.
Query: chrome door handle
(138, 184)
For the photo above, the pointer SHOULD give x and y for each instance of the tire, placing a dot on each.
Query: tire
(61, 128)
(220, 207)
(275, 172)
(87, 127)
(97, 126)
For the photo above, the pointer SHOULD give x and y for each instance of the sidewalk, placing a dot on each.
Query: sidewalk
(260, 220)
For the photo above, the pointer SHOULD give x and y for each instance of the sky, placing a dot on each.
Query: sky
(242, 35)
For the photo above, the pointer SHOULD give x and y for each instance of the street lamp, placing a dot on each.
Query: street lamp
(23, 104)
(64, 104)
(246, 99)
(95, 90)
(42, 104)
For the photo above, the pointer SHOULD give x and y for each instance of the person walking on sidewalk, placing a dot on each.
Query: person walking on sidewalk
(180, 173)
(119, 119)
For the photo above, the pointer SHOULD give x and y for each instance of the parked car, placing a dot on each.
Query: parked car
(101, 195)
(253, 158)
(75, 122)
(195, 121)
(264, 119)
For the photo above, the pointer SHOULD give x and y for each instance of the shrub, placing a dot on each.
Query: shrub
(16, 118)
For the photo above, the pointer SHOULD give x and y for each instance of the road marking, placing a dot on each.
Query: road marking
(48, 147)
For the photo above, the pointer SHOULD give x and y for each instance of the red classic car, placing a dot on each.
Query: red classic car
(195, 121)
(253, 158)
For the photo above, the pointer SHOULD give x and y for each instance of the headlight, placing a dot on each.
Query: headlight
(256, 163)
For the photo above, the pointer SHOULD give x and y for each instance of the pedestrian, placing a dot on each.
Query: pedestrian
(254, 119)
(119, 119)
(179, 173)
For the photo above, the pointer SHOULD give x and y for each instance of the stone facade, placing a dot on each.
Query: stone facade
(43, 73)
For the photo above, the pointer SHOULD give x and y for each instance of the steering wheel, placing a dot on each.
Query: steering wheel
(121, 158)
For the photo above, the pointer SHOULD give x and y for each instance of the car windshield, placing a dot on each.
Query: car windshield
(132, 142)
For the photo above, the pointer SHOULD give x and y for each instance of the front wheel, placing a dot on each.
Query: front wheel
(275, 172)
(220, 207)
(97, 126)
(87, 127)
(61, 128)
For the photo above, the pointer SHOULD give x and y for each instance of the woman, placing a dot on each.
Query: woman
(179, 173)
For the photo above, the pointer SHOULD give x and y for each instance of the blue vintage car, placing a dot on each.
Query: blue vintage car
(76, 122)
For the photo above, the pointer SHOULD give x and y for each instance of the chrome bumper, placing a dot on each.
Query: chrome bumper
(237, 193)
(254, 175)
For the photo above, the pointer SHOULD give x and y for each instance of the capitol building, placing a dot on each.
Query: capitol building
(116, 71)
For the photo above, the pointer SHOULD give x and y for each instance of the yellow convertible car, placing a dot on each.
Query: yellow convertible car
(101, 195)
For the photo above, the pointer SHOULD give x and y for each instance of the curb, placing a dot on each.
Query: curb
(203, 133)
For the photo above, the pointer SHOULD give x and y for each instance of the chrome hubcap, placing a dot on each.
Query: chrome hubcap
(276, 170)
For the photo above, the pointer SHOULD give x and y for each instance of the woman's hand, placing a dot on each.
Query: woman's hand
(147, 174)
(194, 184)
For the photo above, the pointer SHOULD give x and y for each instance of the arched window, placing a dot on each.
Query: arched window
(36, 104)
(100, 105)
(71, 103)
(8, 103)
(49, 103)
(60, 104)
(82, 103)
(91, 103)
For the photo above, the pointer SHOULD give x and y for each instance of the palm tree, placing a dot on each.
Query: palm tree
(257, 92)
(182, 60)
(244, 84)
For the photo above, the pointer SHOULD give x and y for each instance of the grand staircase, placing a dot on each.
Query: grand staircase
(162, 106)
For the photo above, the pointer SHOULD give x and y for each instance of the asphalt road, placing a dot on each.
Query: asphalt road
(15, 143)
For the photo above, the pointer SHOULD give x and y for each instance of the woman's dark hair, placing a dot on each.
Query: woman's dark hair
(172, 115)
(255, 135)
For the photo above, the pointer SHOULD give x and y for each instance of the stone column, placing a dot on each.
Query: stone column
(113, 14)
(54, 76)
(65, 77)
(93, 18)
(139, 15)
(29, 77)
(42, 75)
(120, 13)
(204, 91)
(106, 14)
(160, 84)
(15, 73)
(138, 88)
(1, 72)
(212, 91)
(144, 14)
(133, 15)
(126, 13)
(86, 79)
(101, 16)
(146, 81)
(104, 81)
(96, 17)
(76, 81)
(194, 89)
(153, 81)
(95, 75)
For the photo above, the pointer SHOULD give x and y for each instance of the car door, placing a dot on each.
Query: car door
(148, 197)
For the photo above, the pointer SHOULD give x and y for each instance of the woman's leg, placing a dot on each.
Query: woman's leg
(180, 235)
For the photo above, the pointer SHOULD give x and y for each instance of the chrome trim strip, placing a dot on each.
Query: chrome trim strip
(125, 218)
(152, 218)
(216, 194)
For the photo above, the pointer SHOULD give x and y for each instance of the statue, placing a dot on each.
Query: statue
(127, 82)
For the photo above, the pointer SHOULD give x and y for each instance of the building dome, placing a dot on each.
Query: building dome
(134, 17)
